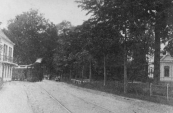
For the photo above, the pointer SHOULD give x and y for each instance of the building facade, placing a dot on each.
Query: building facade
(6, 57)
(166, 68)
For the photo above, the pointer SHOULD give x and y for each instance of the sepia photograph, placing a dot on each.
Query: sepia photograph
(86, 56)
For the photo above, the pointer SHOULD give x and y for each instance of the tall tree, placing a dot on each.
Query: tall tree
(163, 14)
(34, 37)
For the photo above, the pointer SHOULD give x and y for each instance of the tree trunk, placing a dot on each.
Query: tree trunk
(104, 70)
(70, 74)
(125, 69)
(90, 76)
(146, 72)
(157, 56)
(75, 75)
(62, 75)
(125, 61)
(82, 73)
(144, 66)
(159, 29)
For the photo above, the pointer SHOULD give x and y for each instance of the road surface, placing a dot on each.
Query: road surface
(57, 97)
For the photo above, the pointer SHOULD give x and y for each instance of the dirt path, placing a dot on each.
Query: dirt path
(13, 99)
(58, 97)
(115, 104)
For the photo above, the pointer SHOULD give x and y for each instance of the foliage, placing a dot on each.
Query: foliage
(133, 19)
(119, 34)
(34, 37)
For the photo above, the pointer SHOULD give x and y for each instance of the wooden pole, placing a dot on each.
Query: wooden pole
(150, 89)
(70, 73)
(104, 70)
(90, 76)
(82, 73)
(167, 88)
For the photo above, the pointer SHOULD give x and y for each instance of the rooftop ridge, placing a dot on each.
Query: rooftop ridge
(2, 35)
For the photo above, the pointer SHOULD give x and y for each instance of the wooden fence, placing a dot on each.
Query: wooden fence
(165, 91)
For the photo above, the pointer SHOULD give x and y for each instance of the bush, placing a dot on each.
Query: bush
(138, 88)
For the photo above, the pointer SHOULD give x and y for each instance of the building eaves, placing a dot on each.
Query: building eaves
(2, 35)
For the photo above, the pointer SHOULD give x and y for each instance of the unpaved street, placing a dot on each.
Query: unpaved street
(58, 97)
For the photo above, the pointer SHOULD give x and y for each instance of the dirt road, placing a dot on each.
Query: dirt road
(58, 97)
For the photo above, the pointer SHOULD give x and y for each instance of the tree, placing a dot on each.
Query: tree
(34, 37)
(163, 10)
(62, 56)
(115, 14)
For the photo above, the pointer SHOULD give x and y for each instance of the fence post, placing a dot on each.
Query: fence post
(167, 88)
(150, 89)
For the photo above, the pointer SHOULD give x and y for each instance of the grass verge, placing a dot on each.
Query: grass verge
(135, 90)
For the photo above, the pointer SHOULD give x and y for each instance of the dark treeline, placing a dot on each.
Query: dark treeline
(117, 40)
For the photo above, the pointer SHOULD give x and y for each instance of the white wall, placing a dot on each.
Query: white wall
(7, 68)
(7, 73)
(162, 77)
(9, 45)
(151, 70)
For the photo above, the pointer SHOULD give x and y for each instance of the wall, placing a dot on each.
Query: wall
(9, 45)
(7, 65)
(162, 77)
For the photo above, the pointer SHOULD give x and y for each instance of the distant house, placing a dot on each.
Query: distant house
(166, 68)
(6, 57)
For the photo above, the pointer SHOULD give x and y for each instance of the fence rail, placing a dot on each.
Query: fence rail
(80, 81)
(161, 90)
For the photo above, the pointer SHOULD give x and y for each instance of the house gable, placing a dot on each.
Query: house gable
(166, 58)
(3, 36)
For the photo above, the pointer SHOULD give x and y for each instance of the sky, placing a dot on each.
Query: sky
(54, 10)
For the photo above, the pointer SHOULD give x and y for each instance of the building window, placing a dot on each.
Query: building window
(10, 59)
(10, 52)
(151, 70)
(5, 52)
(166, 71)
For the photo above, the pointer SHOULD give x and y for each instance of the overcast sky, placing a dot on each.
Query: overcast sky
(54, 10)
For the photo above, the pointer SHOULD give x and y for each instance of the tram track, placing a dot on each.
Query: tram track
(91, 103)
(62, 105)
(88, 102)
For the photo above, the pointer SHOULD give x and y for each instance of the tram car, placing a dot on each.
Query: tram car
(35, 71)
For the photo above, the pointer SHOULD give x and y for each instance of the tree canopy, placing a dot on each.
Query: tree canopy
(33, 35)
(115, 41)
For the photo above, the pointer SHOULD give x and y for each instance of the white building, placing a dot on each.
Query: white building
(166, 68)
(6, 57)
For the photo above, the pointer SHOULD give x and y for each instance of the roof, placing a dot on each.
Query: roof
(39, 60)
(2, 35)
(166, 58)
